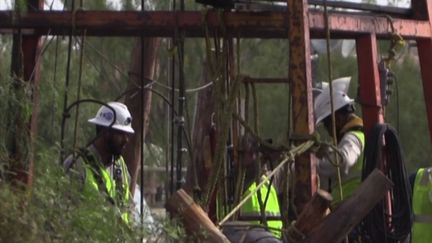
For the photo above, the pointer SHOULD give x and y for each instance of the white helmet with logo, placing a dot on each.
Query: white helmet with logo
(104, 117)
(322, 106)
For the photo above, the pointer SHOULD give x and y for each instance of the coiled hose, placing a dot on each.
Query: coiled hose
(375, 225)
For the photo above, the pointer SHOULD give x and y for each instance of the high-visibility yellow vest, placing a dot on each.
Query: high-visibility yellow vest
(422, 207)
(252, 207)
(98, 179)
(351, 182)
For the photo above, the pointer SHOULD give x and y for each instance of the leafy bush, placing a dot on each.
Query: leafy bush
(54, 211)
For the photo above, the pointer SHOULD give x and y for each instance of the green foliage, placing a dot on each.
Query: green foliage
(54, 211)
(48, 215)
(407, 113)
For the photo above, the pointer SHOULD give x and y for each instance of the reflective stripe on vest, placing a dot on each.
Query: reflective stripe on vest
(351, 182)
(252, 207)
(422, 206)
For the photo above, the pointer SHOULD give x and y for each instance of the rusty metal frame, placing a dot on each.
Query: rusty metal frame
(365, 29)
(300, 80)
(30, 47)
(239, 24)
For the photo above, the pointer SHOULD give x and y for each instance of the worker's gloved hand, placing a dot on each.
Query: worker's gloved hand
(323, 151)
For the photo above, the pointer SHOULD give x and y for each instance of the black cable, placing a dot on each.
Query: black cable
(173, 115)
(396, 82)
(66, 115)
(180, 120)
(376, 223)
(65, 95)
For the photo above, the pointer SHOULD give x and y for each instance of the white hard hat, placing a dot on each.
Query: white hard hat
(104, 117)
(340, 84)
(322, 106)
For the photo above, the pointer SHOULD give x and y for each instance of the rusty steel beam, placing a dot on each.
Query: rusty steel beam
(300, 79)
(193, 23)
(25, 68)
(31, 48)
(354, 25)
(402, 12)
(369, 81)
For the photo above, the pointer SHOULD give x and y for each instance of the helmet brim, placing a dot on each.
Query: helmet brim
(319, 119)
(127, 129)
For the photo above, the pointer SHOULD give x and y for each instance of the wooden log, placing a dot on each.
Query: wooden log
(195, 220)
(312, 215)
(339, 223)
(140, 104)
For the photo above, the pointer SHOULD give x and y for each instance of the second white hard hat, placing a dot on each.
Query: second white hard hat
(322, 105)
(105, 116)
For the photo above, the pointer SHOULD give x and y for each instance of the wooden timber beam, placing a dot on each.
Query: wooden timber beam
(340, 222)
(239, 24)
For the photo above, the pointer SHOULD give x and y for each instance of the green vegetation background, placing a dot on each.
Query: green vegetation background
(104, 77)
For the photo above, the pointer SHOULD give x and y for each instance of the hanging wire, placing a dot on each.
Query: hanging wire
(286, 200)
(167, 192)
(172, 96)
(191, 90)
(330, 74)
(181, 101)
(241, 171)
(66, 90)
(53, 107)
(40, 54)
(142, 124)
(78, 94)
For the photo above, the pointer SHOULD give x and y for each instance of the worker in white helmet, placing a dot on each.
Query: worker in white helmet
(350, 139)
(100, 167)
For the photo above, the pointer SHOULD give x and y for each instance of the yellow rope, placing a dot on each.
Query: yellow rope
(334, 135)
(289, 157)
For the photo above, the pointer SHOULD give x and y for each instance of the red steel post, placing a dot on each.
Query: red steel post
(369, 81)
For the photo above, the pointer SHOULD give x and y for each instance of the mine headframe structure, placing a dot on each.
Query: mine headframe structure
(297, 22)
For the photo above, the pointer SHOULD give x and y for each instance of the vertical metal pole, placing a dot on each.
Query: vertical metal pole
(173, 103)
(369, 81)
(142, 124)
(370, 98)
(181, 103)
(300, 79)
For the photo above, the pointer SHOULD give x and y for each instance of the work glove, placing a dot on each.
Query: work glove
(323, 150)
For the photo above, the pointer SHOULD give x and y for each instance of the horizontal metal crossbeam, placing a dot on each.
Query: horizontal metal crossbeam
(195, 24)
